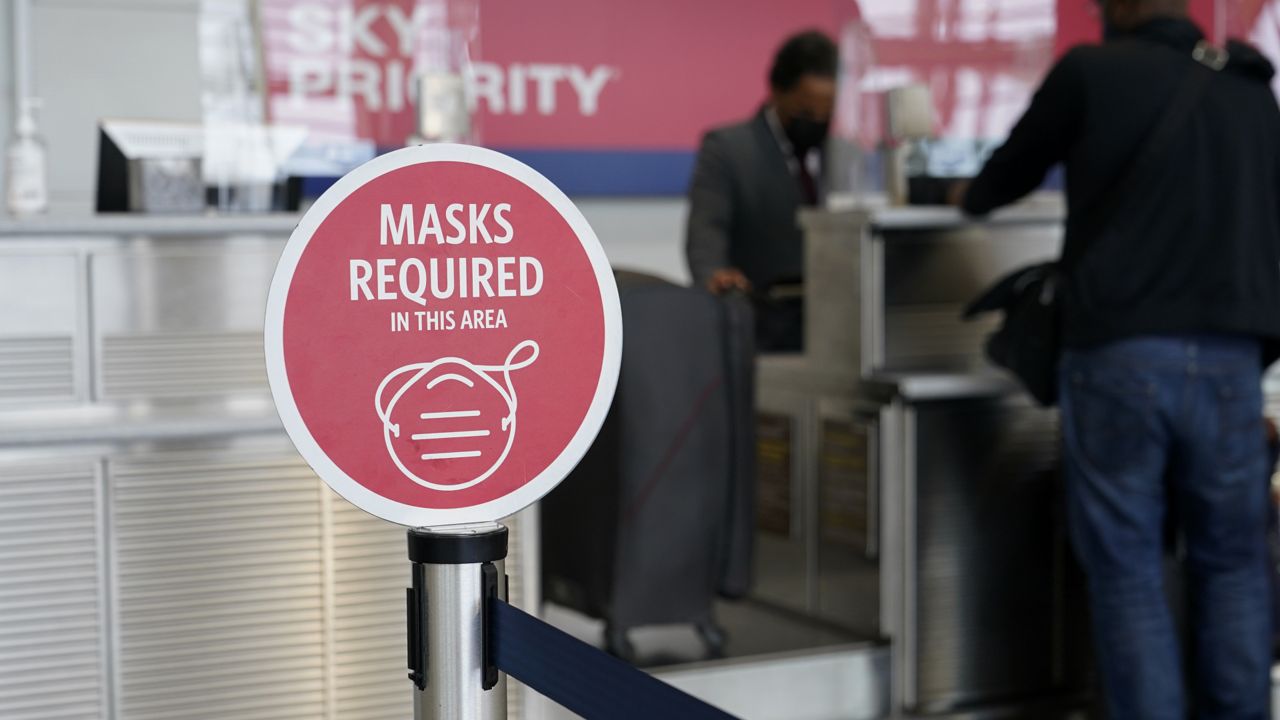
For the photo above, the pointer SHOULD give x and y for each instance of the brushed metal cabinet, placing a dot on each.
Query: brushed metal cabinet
(885, 288)
(818, 524)
(182, 318)
(995, 609)
(929, 277)
(43, 349)
(53, 642)
(219, 595)
(846, 538)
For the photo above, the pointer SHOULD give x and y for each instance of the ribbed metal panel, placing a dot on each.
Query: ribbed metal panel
(219, 592)
(371, 571)
(51, 639)
(36, 368)
(933, 337)
(992, 617)
(182, 365)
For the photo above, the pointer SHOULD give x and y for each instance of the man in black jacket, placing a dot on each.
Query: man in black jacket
(1169, 306)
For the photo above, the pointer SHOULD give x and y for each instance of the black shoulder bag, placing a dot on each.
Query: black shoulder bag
(1028, 342)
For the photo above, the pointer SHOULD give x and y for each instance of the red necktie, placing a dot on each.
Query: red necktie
(808, 188)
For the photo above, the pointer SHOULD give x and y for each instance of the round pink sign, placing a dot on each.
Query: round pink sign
(443, 336)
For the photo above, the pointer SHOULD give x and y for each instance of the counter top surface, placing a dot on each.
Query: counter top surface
(925, 385)
(1040, 210)
(141, 422)
(943, 217)
(115, 224)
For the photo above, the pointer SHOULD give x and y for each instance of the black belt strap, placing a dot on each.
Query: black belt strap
(581, 678)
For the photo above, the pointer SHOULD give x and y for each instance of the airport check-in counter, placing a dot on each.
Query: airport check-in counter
(167, 553)
(908, 492)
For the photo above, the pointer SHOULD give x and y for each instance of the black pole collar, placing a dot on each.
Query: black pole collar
(432, 547)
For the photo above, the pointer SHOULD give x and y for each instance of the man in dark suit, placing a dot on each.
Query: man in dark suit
(749, 181)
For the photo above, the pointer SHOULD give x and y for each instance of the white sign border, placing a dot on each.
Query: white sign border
(296, 428)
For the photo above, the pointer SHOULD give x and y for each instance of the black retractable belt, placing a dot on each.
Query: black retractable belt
(587, 681)
(581, 678)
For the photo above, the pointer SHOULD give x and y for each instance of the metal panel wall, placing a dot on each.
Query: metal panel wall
(993, 617)
(137, 365)
(35, 368)
(183, 319)
(218, 575)
(371, 570)
(818, 531)
(51, 609)
(189, 565)
(929, 276)
(41, 321)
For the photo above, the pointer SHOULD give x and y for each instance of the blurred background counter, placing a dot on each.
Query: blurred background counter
(156, 525)
(906, 490)
(904, 494)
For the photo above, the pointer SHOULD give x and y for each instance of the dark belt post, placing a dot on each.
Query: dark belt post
(456, 574)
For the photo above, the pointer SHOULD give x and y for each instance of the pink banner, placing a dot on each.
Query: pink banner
(583, 76)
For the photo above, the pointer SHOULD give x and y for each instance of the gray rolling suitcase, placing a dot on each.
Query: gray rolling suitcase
(655, 522)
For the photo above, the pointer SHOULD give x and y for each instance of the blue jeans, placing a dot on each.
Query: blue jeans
(1150, 424)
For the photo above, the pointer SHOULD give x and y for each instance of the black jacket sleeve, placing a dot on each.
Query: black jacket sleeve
(1041, 139)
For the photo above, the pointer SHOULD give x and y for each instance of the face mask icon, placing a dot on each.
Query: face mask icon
(449, 424)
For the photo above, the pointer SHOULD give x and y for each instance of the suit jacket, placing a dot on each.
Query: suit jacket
(742, 207)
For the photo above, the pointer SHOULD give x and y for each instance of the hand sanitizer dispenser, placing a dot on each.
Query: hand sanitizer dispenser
(26, 183)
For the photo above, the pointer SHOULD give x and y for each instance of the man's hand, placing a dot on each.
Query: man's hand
(955, 193)
(727, 279)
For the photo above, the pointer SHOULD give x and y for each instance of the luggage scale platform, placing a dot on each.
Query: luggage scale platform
(779, 666)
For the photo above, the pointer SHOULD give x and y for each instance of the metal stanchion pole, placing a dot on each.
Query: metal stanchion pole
(456, 573)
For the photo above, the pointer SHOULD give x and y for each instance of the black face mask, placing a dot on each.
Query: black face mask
(805, 134)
